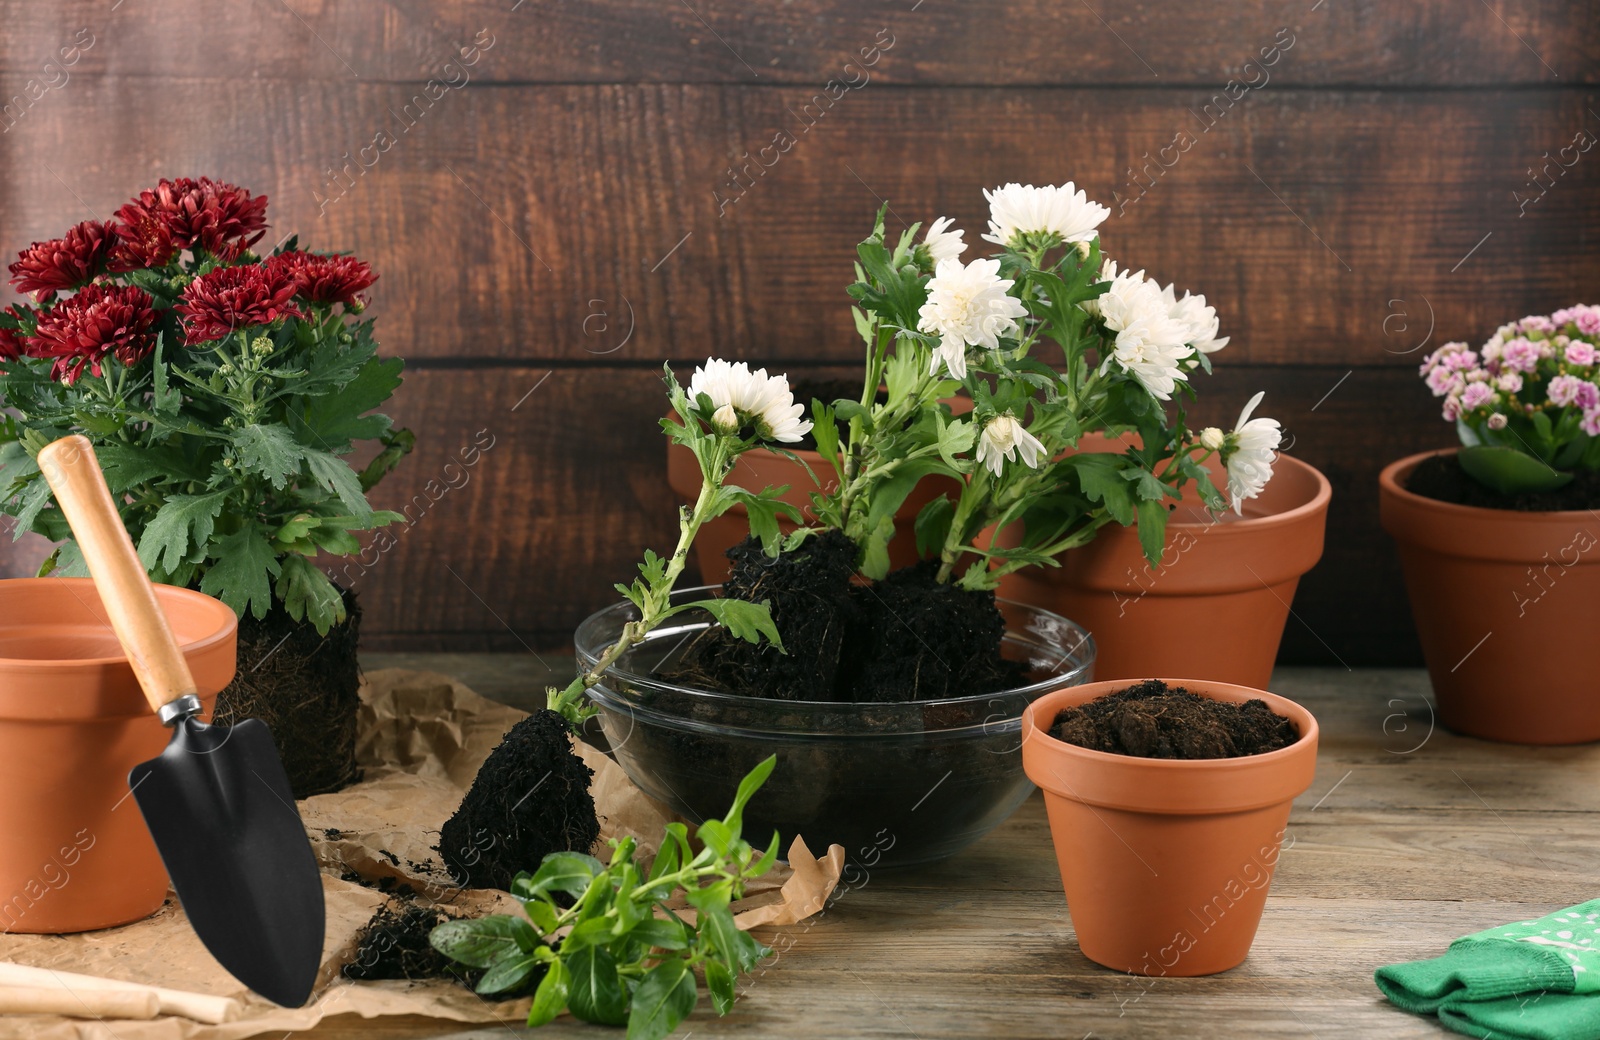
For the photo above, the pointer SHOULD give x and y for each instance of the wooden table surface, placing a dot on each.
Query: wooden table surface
(1409, 837)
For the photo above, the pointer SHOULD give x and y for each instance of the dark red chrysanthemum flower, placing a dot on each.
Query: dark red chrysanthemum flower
(64, 263)
(232, 298)
(99, 320)
(146, 242)
(220, 218)
(13, 344)
(326, 279)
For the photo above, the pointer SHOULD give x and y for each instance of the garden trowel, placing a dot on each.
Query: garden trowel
(217, 801)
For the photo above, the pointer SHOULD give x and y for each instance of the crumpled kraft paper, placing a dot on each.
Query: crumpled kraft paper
(422, 738)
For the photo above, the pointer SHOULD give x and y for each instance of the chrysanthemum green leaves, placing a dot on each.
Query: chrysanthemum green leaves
(609, 949)
(242, 570)
(751, 622)
(182, 524)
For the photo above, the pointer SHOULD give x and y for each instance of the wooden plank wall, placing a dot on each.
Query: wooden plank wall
(1351, 182)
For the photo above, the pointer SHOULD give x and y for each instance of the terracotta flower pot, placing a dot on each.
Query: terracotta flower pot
(1505, 604)
(1220, 597)
(1166, 863)
(74, 850)
(759, 469)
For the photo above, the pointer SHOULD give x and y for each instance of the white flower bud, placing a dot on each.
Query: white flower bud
(1497, 421)
(725, 419)
(1211, 438)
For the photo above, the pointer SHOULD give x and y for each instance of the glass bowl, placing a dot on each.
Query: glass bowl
(895, 784)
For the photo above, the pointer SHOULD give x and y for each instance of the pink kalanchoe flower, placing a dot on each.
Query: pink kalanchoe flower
(1588, 321)
(1438, 357)
(1475, 396)
(1536, 323)
(1588, 395)
(1443, 381)
(1579, 353)
(1498, 421)
(1565, 390)
(1591, 422)
(1462, 360)
(1509, 382)
(1521, 354)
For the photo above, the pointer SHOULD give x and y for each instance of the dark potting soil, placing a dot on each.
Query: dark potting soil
(306, 688)
(1442, 479)
(531, 798)
(905, 638)
(1153, 720)
(393, 944)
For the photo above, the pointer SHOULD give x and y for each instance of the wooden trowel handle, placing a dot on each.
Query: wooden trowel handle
(130, 600)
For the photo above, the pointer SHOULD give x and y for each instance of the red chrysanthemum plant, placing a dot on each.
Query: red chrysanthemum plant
(221, 388)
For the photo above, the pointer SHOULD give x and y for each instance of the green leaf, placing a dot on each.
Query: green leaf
(662, 933)
(1152, 529)
(551, 996)
(665, 997)
(242, 570)
(397, 444)
(933, 525)
(335, 474)
(334, 420)
(738, 949)
(306, 592)
(182, 521)
(595, 993)
(1509, 471)
(719, 980)
(508, 974)
(480, 942)
(747, 790)
(751, 622)
(270, 451)
(569, 872)
(1100, 477)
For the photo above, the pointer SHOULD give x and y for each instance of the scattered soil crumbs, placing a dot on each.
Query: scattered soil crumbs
(1153, 720)
(394, 945)
(531, 798)
(1442, 479)
(905, 638)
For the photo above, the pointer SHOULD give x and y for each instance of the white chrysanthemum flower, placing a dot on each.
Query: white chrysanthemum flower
(754, 398)
(1004, 438)
(1200, 319)
(967, 306)
(942, 243)
(1020, 209)
(1150, 345)
(1250, 452)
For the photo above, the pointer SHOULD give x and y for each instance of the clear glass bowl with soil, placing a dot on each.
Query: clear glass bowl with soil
(896, 784)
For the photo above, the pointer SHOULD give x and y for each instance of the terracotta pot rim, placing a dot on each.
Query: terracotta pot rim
(1197, 686)
(228, 622)
(1389, 481)
(1218, 785)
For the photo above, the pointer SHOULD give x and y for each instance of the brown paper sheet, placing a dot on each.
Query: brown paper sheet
(422, 738)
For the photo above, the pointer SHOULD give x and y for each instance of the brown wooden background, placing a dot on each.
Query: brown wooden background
(547, 230)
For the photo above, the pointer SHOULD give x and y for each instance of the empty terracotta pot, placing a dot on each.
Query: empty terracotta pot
(74, 850)
(1505, 604)
(1166, 863)
(1219, 598)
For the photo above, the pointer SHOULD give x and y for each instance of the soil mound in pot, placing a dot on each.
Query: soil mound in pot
(306, 688)
(905, 638)
(1442, 479)
(531, 798)
(393, 944)
(1154, 720)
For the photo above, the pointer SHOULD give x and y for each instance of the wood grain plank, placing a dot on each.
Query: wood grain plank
(1030, 42)
(582, 222)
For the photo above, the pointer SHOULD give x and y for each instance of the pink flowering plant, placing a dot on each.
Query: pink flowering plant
(222, 390)
(1527, 403)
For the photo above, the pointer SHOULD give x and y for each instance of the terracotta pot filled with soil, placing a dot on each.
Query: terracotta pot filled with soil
(895, 714)
(75, 853)
(306, 688)
(1168, 803)
(1503, 591)
(765, 469)
(1220, 596)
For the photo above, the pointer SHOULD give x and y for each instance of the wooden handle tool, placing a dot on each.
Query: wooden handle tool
(89, 1003)
(73, 472)
(200, 1007)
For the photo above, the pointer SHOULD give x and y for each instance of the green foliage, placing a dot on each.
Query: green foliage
(608, 946)
(227, 459)
(1510, 471)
